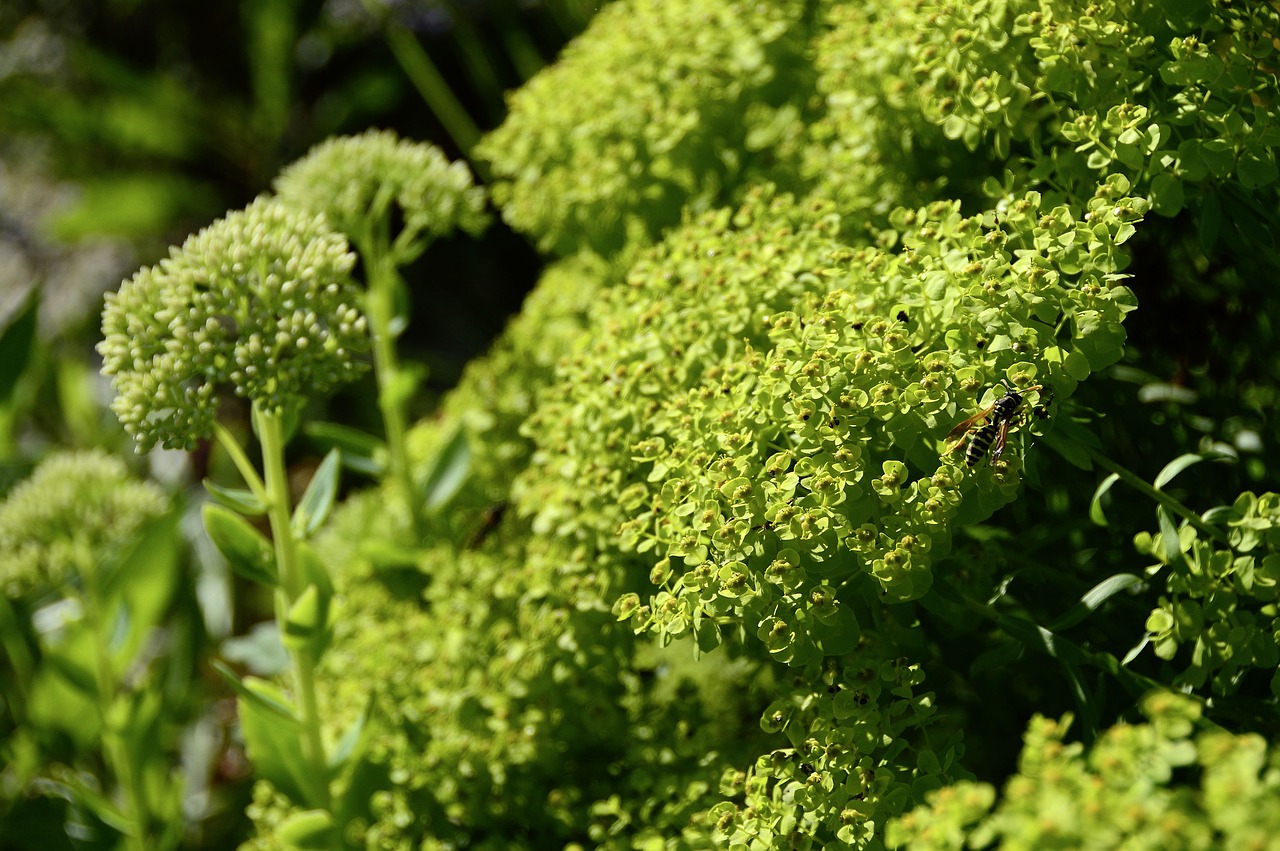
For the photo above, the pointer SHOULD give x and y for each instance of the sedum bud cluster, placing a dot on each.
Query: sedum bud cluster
(74, 510)
(261, 300)
(353, 180)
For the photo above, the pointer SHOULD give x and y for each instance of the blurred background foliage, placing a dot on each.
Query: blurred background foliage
(124, 126)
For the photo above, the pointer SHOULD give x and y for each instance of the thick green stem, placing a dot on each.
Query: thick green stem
(113, 741)
(380, 310)
(1158, 496)
(271, 435)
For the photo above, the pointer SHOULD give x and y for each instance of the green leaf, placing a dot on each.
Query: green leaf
(244, 547)
(384, 554)
(352, 741)
(260, 650)
(273, 742)
(1182, 462)
(241, 501)
(1095, 505)
(361, 452)
(1255, 171)
(1170, 543)
(312, 830)
(1095, 597)
(307, 621)
(1070, 440)
(314, 507)
(17, 343)
(139, 590)
(446, 472)
(257, 691)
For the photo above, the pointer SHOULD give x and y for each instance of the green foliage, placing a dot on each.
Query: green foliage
(693, 557)
(721, 431)
(73, 512)
(261, 300)
(1120, 794)
(1219, 603)
(658, 108)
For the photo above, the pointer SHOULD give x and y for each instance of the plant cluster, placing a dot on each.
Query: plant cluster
(727, 425)
(754, 529)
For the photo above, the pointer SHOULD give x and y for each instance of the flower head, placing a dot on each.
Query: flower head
(76, 505)
(354, 179)
(261, 300)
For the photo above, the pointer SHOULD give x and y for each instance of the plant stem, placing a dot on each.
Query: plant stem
(292, 584)
(113, 741)
(1158, 496)
(380, 310)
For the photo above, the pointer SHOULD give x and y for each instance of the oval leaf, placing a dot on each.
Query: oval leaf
(244, 547)
(314, 507)
(311, 830)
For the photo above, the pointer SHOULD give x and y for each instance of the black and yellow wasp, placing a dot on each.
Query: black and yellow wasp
(992, 426)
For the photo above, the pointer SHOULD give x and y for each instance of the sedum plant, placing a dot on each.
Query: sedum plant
(82, 536)
(361, 184)
(260, 302)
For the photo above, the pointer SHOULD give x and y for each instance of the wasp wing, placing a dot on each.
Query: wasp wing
(963, 428)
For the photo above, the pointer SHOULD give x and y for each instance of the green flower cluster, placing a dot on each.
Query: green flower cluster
(759, 416)
(1220, 604)
(651, 111)
(69, 515)
(353, 180)
(738, 436)
(1119, 794)
(1178, 99)
(850, 768)
(261, 300)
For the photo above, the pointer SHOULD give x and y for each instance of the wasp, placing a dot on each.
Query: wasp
(993, 432)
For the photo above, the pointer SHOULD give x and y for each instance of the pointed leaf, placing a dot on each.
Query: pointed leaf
(245, 548)
(351, 742)
(314, 507)
(307, 620)
(274, 745)
(361, 453)
(1095, 505)
(447, 471)
(262, 693)
(17, 342)
(243, 502)
(1095, 597)
(1182, 462)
